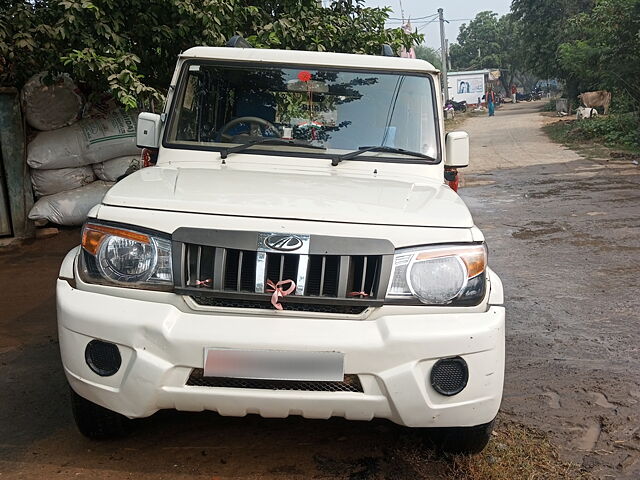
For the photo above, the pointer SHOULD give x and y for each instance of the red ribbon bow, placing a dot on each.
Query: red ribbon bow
(278, 292)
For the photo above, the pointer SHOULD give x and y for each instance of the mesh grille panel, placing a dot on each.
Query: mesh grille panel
(351, 383)
(449, 376)
(289, 306)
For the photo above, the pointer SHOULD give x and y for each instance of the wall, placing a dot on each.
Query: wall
(466, 87)
(14, 165)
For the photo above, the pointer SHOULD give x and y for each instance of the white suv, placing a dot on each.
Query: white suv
(295, 251)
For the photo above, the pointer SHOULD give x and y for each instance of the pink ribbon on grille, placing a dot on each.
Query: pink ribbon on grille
(278, 291)
(203, 283)
(358, 294)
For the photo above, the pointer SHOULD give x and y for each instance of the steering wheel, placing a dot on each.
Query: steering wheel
(254, 124)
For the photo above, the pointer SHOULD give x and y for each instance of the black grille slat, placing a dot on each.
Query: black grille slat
(282, 266)
(290, 267)
(239, 271)
(231, 270)
(351, 383)
(332, 269)
(248, 277)
(204, 275)
(363, 275)
(273, 266)
(314, 285)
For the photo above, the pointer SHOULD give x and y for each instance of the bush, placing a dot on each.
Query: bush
(613, 130)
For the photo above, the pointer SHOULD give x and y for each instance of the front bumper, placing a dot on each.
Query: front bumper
(392, 355)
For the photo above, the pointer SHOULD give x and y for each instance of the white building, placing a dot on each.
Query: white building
(471, 85)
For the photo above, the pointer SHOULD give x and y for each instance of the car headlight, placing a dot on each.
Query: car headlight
(440, 275)
(123, 257)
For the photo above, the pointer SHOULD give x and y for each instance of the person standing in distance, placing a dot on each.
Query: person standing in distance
(491, 102)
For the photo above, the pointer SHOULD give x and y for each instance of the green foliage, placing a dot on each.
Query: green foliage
(489, 41)
(543, 27)
(618, 130)
(613, 130)
(129, 47)
(603, 50)
(479, 43)
(429, 54)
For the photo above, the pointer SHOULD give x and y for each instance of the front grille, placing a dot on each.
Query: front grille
(351, 383)
(235, 269)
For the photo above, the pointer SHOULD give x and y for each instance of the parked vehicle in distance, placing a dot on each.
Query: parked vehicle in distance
(536, 94)
(458, 106)
(523, 97)
(295, 251)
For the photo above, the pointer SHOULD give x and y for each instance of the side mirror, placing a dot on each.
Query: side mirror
(148, 133)
(457, 150)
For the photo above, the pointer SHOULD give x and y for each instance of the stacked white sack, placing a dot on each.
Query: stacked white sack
(70, 208)
(89, 141)
(114, 170)
(49, 104)
(50, 182)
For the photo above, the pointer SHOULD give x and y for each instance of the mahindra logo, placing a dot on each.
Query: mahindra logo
(283, 242)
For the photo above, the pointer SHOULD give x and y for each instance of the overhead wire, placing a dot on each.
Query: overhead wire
(415, 18)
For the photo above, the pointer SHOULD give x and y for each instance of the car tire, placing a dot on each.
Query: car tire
(461, 440)
(97, 422)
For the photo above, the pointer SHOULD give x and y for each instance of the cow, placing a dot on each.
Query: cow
(600, 98)
(584, 112)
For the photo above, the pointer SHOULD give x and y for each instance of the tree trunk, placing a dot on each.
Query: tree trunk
(572, 93)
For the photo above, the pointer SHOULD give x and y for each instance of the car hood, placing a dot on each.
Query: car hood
(320, 196)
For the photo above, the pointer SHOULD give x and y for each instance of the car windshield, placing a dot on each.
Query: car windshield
(218, 106)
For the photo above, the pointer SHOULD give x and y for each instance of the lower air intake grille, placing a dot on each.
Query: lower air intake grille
(289, 306)
(351, 383)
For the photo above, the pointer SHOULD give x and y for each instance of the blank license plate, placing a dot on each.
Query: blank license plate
(274, 364)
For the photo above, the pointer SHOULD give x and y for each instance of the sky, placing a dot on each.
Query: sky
(456, 11)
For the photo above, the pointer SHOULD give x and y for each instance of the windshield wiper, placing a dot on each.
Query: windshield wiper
(348, 156)
(274, 141)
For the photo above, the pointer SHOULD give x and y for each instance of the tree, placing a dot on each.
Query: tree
(602, 51)
(543, 27)
(429, 54)
(478, 45)
(129, 47)
(489, 41)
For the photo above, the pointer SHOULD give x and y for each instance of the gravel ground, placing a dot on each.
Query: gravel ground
(563, 234)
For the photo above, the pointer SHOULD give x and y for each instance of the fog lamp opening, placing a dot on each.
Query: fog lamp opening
(449, 376)
(103, 358)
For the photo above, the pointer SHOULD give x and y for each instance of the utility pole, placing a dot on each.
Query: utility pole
(443, 53)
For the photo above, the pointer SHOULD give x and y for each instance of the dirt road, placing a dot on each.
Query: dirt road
(563, 234)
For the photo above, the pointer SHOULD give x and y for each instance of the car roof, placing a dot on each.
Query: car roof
(319, 59)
